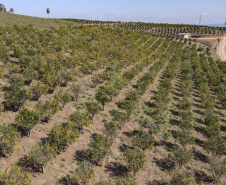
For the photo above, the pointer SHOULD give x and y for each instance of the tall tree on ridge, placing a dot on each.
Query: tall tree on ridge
(48, 11)
(11, 10)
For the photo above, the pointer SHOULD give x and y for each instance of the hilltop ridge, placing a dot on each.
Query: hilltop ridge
(8, 19)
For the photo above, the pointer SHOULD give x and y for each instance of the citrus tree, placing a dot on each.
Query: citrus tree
(63, 98)
(29, 74)
(40, 155)
(143, 140)
(27, 119)
(65, 76)
(47, 109)
(62, 135)
(52, 81)
(125, 180)
(218, 167)
(76, 90)
(15, 175)
(9, 138)
(15, 98)
(93, 108)
(79, 120)
(135, 159)
(110, 90)
(216, 145)
(185, 177)
(181, 156)
(102, 97)
(37, 90)
(84, 173)
(98, 149)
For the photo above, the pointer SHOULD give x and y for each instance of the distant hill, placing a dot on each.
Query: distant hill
(216, 25)
(9, 19)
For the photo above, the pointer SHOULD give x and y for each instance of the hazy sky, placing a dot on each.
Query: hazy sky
(171, 11)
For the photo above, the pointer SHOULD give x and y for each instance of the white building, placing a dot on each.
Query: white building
(184, 35)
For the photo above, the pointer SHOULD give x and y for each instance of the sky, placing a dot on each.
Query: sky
(159, 11)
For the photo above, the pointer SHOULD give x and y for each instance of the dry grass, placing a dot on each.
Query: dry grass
(8, 19)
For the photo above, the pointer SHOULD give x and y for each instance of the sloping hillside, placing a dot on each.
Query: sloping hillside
(94, 105)
(8, 19)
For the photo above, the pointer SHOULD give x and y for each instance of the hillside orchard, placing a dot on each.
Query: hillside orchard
(111, 103)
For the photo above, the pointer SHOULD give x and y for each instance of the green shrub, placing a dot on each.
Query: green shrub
(186, 116)
(129, 75)
(213, 130)
(132, 96)
(29, 74)
(52, 81)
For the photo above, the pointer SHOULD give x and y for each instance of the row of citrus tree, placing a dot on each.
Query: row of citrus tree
(215, 143)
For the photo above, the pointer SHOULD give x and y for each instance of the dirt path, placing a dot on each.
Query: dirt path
(221, 49)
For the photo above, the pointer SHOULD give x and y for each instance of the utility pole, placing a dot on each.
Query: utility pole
(200, 19)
